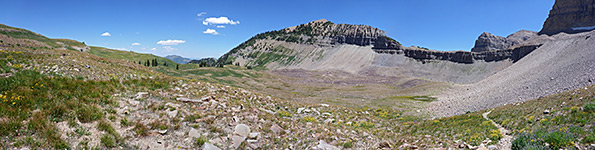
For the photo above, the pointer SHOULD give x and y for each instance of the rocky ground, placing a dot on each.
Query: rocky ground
(563, 63)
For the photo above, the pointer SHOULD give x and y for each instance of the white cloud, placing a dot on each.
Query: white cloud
(153, 49)
(136, 44)
(169, 48)
(106, 34)
(220, 26)
(171, 42)
(220, 20)
(202, 13)
(211, 31)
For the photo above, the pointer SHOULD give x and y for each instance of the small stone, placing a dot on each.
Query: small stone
(547, 111)
(299, 110)
(253, 135)
(193, 133)
(209, 146)
(482, 148)
(322, 145)
(267, 111)
(384, 144)
(251, 141)
(276, 129)
(172, 114)
(162, 132)
(141, 95)
(492, 147)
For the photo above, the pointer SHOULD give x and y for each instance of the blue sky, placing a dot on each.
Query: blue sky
(436, 24)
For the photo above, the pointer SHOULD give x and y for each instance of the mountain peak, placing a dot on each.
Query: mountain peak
(319, 21)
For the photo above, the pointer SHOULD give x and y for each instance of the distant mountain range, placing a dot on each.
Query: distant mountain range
(178, 59)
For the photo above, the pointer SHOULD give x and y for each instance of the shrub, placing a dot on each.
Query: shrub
(200, 141)
(124, 122)
(108, 141)
(589, 139)
(525, 141)
(348, 144)
(558, 140)
(107, 127)
(140, 129)
(309, 119)
(590, 107)
(86, 113)
(282, 113)
(192, 118)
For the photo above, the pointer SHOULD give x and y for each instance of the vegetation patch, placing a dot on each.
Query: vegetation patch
(556, 120)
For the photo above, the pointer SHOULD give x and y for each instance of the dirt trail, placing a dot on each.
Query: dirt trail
(506, 141)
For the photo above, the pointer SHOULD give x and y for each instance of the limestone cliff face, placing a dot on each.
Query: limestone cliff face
(513, 54)
(488, 42)
(570, 16)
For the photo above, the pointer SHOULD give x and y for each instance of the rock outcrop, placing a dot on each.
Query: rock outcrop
(488, 42)
(570, 16)
(513, 54)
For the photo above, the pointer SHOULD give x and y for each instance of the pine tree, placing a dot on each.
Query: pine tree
(165, 64)
(177, 67)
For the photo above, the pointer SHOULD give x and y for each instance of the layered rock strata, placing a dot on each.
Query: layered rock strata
(513, 54)
(570, 16)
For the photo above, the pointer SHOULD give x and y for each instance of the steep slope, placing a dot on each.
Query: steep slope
(563, 63)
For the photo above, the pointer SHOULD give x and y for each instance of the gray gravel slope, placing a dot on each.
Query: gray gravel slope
(566, 62)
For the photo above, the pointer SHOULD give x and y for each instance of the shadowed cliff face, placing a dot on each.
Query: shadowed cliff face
(570, 16)
(513, 54)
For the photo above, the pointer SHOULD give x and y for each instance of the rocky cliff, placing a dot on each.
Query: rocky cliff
(513, 54)
(570, 16)
(488, 42)
(319, 33)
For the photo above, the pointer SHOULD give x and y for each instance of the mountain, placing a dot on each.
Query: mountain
(570, 16)
(488, 42)
(323, 45)
(205, 62)
(178, 59)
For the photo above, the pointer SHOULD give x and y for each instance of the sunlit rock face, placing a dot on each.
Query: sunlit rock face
(570, 16)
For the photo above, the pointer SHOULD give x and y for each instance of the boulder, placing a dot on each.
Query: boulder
(209, 146)
(240, 133)
(193, 133)
(322, 145)
(242, 130)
